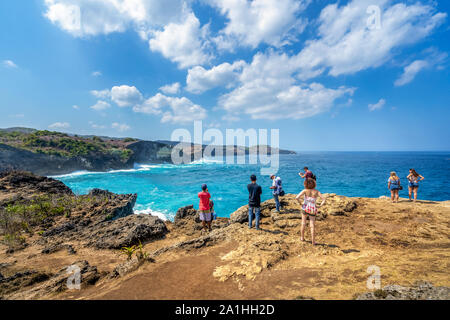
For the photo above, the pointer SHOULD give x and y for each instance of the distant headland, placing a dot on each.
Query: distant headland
(50, 153)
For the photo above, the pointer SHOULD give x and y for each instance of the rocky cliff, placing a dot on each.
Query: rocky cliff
(46, 231)
(51, 153)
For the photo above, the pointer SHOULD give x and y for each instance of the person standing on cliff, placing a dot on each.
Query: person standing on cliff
(307, 174)
(254, 202)
(309, 207)
(413, 183)
(277, 190)
(204, 207)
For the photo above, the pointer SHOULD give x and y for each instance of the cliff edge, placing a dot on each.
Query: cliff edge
(121, 255)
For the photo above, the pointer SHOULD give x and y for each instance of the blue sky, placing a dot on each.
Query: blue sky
(331, 75)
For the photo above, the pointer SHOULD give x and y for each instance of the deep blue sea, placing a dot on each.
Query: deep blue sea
(162, 189)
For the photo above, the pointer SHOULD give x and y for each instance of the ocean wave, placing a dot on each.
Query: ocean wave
(137, 168)
(163, 216)
(148, 167)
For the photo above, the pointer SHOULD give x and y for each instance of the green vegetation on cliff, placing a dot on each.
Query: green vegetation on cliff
(64, 145)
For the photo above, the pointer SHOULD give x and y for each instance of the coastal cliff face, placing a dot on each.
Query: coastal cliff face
(45, 230)
(52, 153)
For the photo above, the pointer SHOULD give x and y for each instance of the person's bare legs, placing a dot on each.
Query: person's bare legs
(302, 230)
(312, 223)
(392, 196)
(204, 224)
(396, 196)
(209, 225)
(410, 193)
(415, 194)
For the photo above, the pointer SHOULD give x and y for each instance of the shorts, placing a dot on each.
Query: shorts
(413, 185)
(205, 215)
(393, 188)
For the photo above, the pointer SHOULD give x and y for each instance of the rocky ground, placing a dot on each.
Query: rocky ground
(407, 241)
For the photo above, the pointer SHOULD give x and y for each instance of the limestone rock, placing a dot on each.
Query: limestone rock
(59, 282)
(420, 291)
(126, 231)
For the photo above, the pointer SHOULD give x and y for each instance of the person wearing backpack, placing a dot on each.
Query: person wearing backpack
(277, 190)
(307, 174)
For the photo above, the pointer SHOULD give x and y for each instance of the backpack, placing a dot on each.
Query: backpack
(279, 182)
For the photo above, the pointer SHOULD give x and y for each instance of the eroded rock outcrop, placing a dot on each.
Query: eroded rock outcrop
(65, 279)
(27, 184)
(290, 215)
(422, 290)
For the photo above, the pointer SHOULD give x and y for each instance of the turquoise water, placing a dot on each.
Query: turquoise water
(162, 189)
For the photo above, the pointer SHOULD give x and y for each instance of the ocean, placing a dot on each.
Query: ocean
(163, 188)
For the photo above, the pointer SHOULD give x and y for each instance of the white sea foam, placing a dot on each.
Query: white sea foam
(137, 167)
(142, 167)
(158, 214)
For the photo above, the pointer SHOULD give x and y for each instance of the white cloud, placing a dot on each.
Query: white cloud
(377, 106)
(101, 105)
(59, 125)
(96, 74)
(122, 127)
(170, 25)
(125, 96)
(83, 18)
(347, 44)
(260, 21)
(172, 109)
(101, 94)
(410, 71)
(76, 107)
(96, 126)
(9, 64)
(268, 90)
(200, 80)
(183, 43)
(173, 88)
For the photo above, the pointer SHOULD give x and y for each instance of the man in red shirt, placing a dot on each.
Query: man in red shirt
(204, 207)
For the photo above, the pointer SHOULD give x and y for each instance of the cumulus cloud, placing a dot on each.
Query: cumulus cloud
(377, 106)
(59, 125)
(260, 21)
(83, 18)
(9, 64)
(125, 96)
(101, 94)
(76, 107)
(170, 25)
(122, 127)
(96, 74)
(347, 43)
(101, 105)
(200, 80)
(183, 43)
(172, 109)
(268, 90)
(173, 88)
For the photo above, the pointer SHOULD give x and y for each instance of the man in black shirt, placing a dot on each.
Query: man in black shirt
(254, 202)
